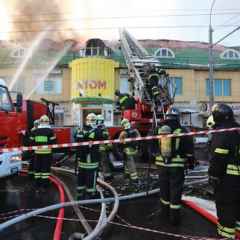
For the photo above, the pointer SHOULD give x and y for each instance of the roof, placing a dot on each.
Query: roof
(188, 55)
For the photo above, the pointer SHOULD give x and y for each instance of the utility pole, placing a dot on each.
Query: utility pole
(210, 62)
(210, 59)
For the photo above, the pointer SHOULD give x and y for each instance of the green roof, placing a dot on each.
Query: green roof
(185, 58)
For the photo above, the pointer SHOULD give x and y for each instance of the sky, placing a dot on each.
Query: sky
(186, 20)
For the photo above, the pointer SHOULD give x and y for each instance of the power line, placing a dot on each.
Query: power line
(116, 28)
(119, 17)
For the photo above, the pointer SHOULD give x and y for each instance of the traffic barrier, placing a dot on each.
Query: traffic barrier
(90, 143)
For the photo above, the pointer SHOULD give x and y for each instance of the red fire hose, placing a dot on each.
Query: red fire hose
(201, 211)
(59, 223)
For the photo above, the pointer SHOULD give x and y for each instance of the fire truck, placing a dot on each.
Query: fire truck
(16, 118)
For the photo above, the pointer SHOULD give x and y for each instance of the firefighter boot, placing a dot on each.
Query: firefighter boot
(175, 217)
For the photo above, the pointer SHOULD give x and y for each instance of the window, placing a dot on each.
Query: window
(123, 81)
(51, 85)
(230, 54)
(19, 52)
(5, 102)
(221, 87)
(164, 53)
(178, 83)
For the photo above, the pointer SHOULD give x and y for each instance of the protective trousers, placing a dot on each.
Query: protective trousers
(171, 180)
(130, 168)
(31, 167)
(87, 177)
(227, 196)
(105, 164)
(42, 168)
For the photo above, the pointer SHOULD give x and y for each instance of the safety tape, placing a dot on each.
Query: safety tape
(90, 143)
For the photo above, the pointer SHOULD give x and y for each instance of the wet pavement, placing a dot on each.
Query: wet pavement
(16, 193)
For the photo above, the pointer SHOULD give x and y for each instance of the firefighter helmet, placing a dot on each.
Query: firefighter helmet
(125, 124)
(100, 119)
(173, 113)
(221, 113)
(91, 120)
(210, 121)
(44, 119)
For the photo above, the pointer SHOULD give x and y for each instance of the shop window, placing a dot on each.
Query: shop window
(221, 87)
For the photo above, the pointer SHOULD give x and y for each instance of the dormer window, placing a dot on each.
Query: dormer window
(18, 52)
(230, 54)
(164, 53)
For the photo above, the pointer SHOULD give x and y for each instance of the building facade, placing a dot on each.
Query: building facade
(85, 79)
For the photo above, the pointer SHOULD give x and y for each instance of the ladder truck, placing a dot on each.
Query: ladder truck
(149, 84)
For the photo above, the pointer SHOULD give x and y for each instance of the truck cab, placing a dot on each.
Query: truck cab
(10, 127)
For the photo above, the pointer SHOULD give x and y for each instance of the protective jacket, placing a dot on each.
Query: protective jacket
(43, 135)
(126, 102)
(173, 152)
(224, 173)
(88, 161)
(181, 148)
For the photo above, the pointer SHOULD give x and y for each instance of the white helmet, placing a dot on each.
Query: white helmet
(44, 119)
(100, 119)
(210, 122)
(91, 119)
(125, 124)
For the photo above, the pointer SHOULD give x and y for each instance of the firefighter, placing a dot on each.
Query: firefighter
(104, 148)
(43, 135)
(173, 154)
(224, 172)
(87, 158)
(31, 161)
(130, 150)
(125, 101)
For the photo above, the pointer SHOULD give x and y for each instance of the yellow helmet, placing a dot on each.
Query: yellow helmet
(125, 123)
(44, 119)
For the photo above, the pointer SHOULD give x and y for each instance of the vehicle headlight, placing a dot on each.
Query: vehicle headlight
(15, 158)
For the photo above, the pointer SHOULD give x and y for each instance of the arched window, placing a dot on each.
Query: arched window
(230, 54)
(164, 53)
(18, 52)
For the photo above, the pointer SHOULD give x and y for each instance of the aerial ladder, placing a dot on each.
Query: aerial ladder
(149, 83)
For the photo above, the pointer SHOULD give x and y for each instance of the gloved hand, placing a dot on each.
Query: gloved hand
(213, 181)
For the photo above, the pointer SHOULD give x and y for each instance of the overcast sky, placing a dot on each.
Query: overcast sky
(156, 19)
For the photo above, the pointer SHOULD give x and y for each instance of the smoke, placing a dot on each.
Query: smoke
(29, 17)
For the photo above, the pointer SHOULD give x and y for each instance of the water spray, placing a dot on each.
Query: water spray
(30, 52)
(50, 66)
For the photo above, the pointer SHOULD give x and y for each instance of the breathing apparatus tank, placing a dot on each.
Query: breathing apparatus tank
(165, 143)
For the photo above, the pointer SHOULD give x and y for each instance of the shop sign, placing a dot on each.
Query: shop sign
(92, 84)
